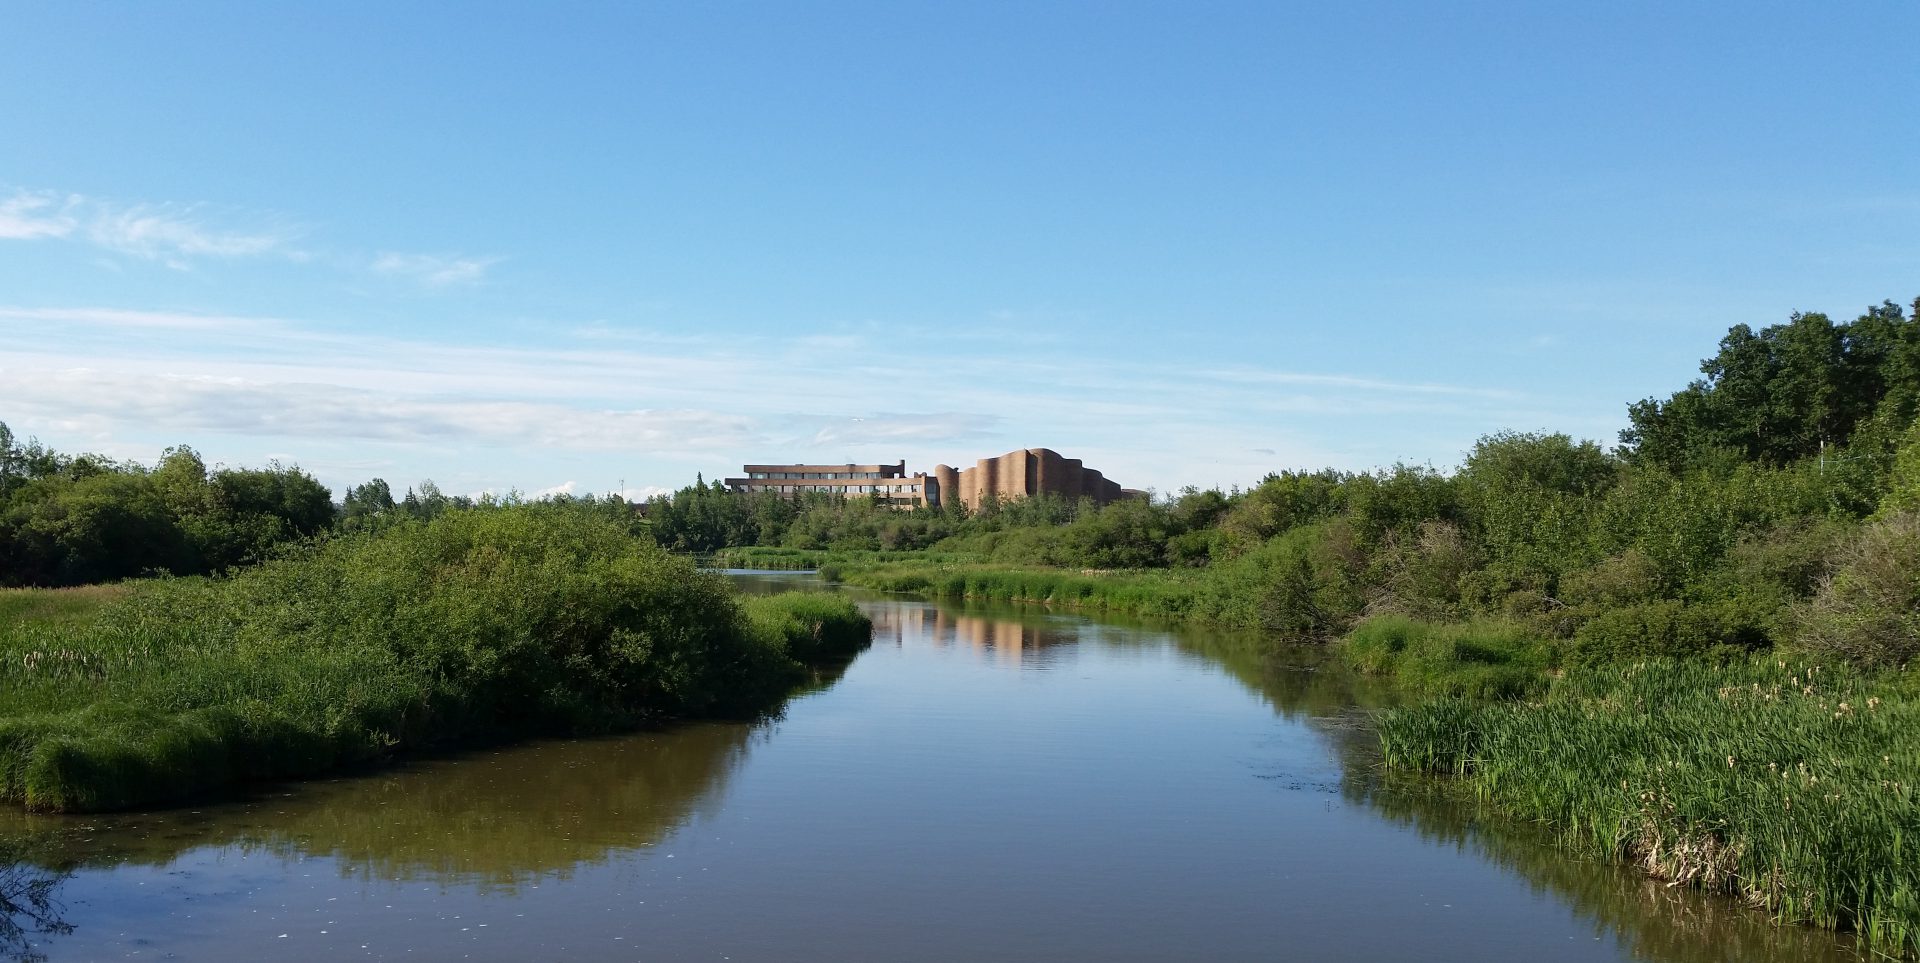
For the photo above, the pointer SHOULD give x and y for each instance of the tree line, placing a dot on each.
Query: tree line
(1772, 497)
(1731, 513)
(80, 519)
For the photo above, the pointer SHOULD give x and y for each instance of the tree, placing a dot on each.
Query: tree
(1786, 392)
(364, 505)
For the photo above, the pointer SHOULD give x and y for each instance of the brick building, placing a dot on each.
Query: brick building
(1016, 474)
(889, 483)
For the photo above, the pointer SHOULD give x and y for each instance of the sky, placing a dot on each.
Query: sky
(587, 248)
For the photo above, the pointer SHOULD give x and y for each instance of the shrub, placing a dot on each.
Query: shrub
(1663, 627)
(475, 625)
(1868, 611)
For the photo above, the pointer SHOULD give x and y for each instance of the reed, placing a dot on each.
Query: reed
(1786, 783)
(1149, 593)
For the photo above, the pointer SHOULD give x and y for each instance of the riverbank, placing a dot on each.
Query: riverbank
(475, 627)
(1780, 780)
(1485, 658)
(1784, 783)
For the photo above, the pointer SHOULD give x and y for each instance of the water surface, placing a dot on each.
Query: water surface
(984, 783)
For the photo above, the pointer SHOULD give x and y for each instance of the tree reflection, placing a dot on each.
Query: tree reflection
(29, 903)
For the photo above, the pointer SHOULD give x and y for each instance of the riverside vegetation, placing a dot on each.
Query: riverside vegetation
(1690, 652)
(476, 626)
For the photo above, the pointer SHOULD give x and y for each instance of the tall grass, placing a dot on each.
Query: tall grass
(1151, 593)
(475, 626)
(1488, 660)
(65, 605)
(1787, 784)
(798, 559)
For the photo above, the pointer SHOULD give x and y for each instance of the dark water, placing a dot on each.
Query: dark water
(983, 784)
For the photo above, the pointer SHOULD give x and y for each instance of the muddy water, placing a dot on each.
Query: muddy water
(982, 784)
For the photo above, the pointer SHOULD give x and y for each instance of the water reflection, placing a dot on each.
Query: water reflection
(1647, 917)
(1654, 920)
(1007, 636)
(494, 820)
(1007, 745)
(29, 904)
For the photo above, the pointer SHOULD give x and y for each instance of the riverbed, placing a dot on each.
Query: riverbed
(984, 783)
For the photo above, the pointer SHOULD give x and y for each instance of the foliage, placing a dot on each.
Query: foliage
(479, 624)
(1868, 610)
(1485, 660)
(1786, 392)
(73, 520)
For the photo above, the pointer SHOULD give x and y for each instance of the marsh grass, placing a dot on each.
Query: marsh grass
(1487, 660)
(477, 626)
(1148, 593)
(65, 606)
(1787, 784)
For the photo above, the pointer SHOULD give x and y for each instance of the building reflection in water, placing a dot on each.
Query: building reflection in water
(1006, 638)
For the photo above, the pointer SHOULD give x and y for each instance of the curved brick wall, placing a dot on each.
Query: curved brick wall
(1019, 474)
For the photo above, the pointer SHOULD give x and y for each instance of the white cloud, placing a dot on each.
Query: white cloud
(628, 409)
(174, 234)
(178, 235)
(116, 318)
(435, 270)
(329, 411)
(891, 427)
(35, 214)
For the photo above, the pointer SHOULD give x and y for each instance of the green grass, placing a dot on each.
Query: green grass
(1786, 784)
(56, 606)
(771, 558)
(809, 627)
(1149, 593)
(1487, 660)
(477, 626)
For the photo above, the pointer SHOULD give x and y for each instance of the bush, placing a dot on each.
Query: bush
(1664, 627)
(1868, 611)
(476, 625)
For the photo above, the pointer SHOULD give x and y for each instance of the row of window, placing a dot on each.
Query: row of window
(838, 489)
(824, 475)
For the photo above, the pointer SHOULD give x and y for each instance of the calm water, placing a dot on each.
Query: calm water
(983, 784)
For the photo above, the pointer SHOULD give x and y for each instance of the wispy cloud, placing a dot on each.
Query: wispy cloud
(179, 235)
(294, 409)
(112, 318)
(894, 427)
(35, 214)
(435, 270)
(173, 234)
(709, 404)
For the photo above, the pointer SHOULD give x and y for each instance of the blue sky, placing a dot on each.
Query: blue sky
(571, 246)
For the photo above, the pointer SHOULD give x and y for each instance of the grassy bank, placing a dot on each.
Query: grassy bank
(475, 626)
(1485, 659)
(776, 559)
(1155, 594)
(1786, 784)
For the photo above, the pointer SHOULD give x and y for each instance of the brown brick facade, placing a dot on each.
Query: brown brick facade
(1016, 474)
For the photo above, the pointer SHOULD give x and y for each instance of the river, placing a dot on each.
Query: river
(982, 784)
